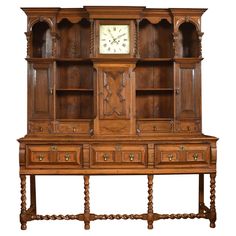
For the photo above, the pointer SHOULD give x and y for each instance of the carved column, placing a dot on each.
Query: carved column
(212, 201)
(23, 219)
(201, 194)
(86, 203)
(150, 216)
(29, 43)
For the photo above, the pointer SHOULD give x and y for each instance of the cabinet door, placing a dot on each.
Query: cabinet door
(188, 91)
(40, 91)
(114, 93)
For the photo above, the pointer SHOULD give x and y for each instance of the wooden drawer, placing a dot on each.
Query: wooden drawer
(53, 156)
(188, 126)
(118, 156)
(182, 155)
(39, 127)
(73, 127)
(147, 127)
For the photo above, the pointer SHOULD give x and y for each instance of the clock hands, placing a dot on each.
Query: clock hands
(114, 39)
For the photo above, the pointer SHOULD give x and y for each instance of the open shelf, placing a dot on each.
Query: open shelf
(154, 75)
(159, 42)
(152, 105)
(73, 105)
(74, 39)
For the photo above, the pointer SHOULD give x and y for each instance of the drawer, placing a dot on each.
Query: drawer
(154, 127)
(73, 127)
(53, 156)
(39, 127)
(182, 154)
(118, 156)
(188, 126)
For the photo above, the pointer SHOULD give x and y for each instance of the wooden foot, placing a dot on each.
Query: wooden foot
(86, 203)
(201, 194)
(212, 202)
(23, 219)
(150, 215)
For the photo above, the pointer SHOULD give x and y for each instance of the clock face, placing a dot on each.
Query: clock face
(114, 39)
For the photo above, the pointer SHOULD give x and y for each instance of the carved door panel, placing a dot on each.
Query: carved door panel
(114, 93)
(40, 91)
(188, 91)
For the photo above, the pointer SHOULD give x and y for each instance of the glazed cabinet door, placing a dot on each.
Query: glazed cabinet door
(40, 90)
(188, 91)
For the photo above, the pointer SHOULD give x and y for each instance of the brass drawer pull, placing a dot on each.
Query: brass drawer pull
(195, 156)
(105, 156)
(170, 156)
(154, 128)
(41, 157)
(74, 129)
(181, 148)
(131, 156)
(54, 148)
(67, 157)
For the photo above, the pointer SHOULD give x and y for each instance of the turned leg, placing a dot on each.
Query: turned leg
(150, 203)
(32, 194)
(86, 203)
(212, 202)
(23, 219)
(201, 194)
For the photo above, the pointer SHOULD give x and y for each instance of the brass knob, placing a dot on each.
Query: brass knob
(54, 148)
(41, 157)
(40, 129)
(195, 156)
(67, 157)
(131, 156)
(74, 129)
(105, 156)
(170, 156)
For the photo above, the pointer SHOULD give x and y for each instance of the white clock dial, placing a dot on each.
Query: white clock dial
(114, 39)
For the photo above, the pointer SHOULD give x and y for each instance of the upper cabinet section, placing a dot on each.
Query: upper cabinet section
(93, 32)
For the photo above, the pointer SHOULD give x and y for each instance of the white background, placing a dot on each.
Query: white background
(121, 194)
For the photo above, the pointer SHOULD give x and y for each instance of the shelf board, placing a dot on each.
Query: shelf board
(154, 89)
(155, 59)
(156, 119)
(70, 59)
(74, 90)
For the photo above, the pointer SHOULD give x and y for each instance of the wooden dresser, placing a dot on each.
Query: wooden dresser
(114, 91)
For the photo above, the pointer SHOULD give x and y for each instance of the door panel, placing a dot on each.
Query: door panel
(188, 91)
(40, 91)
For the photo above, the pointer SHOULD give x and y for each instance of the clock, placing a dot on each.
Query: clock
(114, 39)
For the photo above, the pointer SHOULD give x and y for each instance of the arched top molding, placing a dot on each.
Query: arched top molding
(34, 21)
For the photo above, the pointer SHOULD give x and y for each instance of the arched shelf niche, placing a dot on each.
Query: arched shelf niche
(42, 40)
(189, 43)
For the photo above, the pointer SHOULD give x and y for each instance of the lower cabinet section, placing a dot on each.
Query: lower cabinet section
(118, 156)
(53, 156)
(148, 156)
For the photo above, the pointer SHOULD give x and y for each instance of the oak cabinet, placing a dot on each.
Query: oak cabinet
(114, 91)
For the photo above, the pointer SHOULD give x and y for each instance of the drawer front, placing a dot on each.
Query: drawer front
(118, 156)
(37, 127)
(73, 127)
(182, 155)
(53, 156)
(198, 154)
(154, 127)
(38, 155)
(188, 126)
